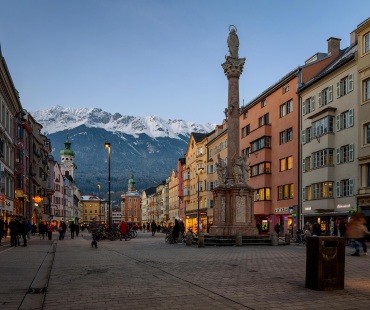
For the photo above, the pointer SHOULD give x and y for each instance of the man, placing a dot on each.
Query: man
(72, 227)
(153, 227)
(94, 228)
(1, 229)
(123, 228)
(24, 231)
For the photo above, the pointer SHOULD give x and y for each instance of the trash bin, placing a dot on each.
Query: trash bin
(325, 263)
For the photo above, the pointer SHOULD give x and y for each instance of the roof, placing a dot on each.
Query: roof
(151, 190)
(345, 56)
(199, 136)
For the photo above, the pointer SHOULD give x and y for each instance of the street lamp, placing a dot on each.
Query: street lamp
(200, 171)
(107, 145)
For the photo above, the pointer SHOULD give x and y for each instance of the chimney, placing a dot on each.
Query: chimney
(333, 45)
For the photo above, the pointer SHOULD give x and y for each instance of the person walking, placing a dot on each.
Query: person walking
(357, 231)
(50, 230)
(77, 228)
(24, 231)
(277, 228)
(153, 227)
(176, 231)
(34, 229)
(94, 228)
(72, 228)
(29, 229)
(42, 230)
(14, 231)
(342, 228)
(123, 229)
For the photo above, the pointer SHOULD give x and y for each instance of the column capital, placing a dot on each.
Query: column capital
(233, 67)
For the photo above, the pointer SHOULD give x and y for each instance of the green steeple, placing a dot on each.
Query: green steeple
(67, 148)
(131, 183)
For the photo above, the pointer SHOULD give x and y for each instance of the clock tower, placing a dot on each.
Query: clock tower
(67, 165)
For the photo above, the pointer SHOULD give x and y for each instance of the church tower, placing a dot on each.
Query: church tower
(131, 184)
(67, 165)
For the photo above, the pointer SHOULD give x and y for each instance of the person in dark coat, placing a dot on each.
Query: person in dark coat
(277, 228)
(72, 227)
(153, 227)
(77, 227)
(1, 229)
(342, 228)
(13, 232)
(42, 230)
(24, 229)
(176, 231)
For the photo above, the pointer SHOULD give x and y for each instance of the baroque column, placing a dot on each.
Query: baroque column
(233, 198)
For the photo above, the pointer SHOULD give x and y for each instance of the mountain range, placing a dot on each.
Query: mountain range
(146, 147)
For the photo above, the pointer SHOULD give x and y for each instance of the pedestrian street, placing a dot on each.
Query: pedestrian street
(147, 273)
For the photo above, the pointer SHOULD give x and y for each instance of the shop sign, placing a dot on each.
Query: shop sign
(280, 210)
(7, 205)
(344, 206)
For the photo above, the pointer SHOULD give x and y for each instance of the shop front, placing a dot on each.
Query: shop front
(328, 221)
(191, 222)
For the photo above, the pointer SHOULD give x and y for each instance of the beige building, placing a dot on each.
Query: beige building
(329, 131)
(216, 147)
(362, 34)
(91, 207)
(173, 197)
(195, 178)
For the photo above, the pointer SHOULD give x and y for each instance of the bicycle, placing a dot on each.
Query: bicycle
(299, 238)
(169, 237)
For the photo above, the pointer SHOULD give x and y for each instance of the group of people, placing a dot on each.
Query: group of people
(18, 227)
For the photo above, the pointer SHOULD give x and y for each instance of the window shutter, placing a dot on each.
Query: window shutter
(338, 122)
(304, 107)
(350, 82)
(350, 113)
(320, 101)
(330, 94)
(338, 157)
(337, 187)
(312, 103)
(351, 187)
(304, 194)
(338, 89)
(304, 165)
(351, 152)
(303, 136)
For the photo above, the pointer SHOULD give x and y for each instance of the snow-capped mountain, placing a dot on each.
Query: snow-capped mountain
(147, 147)
(58, 119)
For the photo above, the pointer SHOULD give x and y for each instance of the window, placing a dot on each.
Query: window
(326, 96)
(261, 143)
(366, 42)
(263, 120)
(366, 90)
(286, 163)
(286, 108)
(246, 131)
(345, 119)
(367, 133)
(322, 190)
(306, 193)
(262, 194)
(306, 164)
(345, 154)
(246, 152)
(263, 103)
(286, 191)
(286, 135)
(285, 88)
(245, 115)
(323, 126)
(345, 85)
(322, 158)
(261, 168)
(345, 188)
(308, 105)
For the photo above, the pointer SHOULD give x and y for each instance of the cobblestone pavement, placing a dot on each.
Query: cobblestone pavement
(146, 273)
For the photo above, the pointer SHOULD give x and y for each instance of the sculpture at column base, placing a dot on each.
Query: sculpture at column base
(233, 210)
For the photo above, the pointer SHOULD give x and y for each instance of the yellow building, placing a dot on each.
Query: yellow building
(195, 178)
(173, 197)
(91, 207)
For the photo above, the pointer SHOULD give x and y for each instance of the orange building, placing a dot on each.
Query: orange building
(269, 127)
(130, 204)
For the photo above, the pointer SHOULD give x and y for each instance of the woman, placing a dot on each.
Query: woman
(42, 230)
(357, 230)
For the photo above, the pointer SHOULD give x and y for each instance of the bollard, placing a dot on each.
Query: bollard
(239, 239)
(287, 238)
(274, 239)
(200, 240)
(189, 238)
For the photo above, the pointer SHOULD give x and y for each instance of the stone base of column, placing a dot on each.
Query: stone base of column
(233, 230)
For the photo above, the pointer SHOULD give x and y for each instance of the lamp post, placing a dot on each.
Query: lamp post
(107, 145)
(200, 171)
